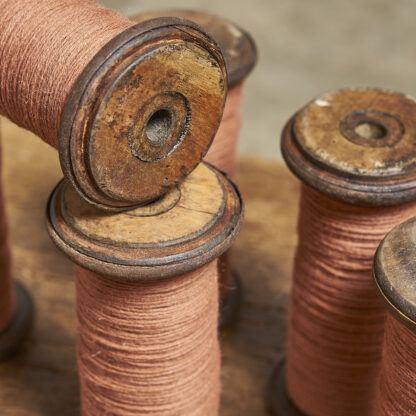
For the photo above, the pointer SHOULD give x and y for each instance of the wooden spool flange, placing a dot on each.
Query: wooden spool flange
(143, 113)
(355, 145)
(237, 46)
(395, 270)
(12, 338)
(194, 223)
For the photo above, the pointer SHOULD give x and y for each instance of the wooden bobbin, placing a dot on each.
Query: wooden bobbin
(240, 55)
(193, 224)
(141, 114)
(356, 146)
(160, 88)
(394, 274)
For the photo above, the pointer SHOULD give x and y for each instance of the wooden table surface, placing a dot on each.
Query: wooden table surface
(42, 379)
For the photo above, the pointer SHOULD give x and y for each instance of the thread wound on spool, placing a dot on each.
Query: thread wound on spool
(44, 49)
(396, 395)
(223, 151)
(336, 320)
(149, 347)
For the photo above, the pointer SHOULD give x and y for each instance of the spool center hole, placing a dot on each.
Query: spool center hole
(159, 125)
(371, 130)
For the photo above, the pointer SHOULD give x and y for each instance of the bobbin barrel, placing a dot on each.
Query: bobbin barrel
(355, 145)
(152, 274)
(136, 110)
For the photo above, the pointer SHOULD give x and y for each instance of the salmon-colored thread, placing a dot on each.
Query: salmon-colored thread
(44, 46)
(223, 151)
(7, 292)
(396, 394)
(223, 154)
(336, 321)
(149, 347)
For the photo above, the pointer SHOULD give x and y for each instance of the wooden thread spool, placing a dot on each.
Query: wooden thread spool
(138, 111)
(354, 152)
(164, 242)
(16, 306)
(240, 54)
(394, 274)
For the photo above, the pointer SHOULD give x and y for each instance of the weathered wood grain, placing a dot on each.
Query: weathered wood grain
(42, 380)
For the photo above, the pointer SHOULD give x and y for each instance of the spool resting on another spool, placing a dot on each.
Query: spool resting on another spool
(355, 148)
(167, 240)
(138, 112)
(240, 56)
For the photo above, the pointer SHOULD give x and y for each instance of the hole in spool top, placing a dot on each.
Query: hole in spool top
(159, 126)
(371, 130)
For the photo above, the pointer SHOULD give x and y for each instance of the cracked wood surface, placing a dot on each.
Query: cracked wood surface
(42, 379)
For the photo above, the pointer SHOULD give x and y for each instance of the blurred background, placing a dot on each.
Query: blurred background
(306, 48)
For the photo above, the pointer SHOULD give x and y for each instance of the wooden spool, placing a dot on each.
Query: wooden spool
(356, 146)
(141, 114)
(193, 224)
(240, 55)
(394, 274)
(161, 88)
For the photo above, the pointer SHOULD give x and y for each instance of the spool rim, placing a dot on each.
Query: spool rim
(356, 189)
(237, 45)
(147, 262)
(85, 125)
(16, 333)
(394, 269)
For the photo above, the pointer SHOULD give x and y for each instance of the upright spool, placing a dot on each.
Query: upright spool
(132, 108)
(16, 307)
(240, 56)
(394, 273)
(354, 152)
(163, 355)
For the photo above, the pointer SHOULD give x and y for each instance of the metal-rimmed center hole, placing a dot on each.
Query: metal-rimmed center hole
(159, 126)
(371, 130)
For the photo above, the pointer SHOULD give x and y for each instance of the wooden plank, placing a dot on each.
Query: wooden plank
(42, 380)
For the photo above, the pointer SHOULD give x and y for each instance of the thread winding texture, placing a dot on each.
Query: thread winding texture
(223, 151)
(7, 293)
(336, 321)
(223, 154)
(149, 347)
(44, 46)
(396, 393)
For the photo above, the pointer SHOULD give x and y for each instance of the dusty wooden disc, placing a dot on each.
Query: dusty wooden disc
(395, 272)
(185, 229)
(356, 145)
(237, 45)
(143, 113)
